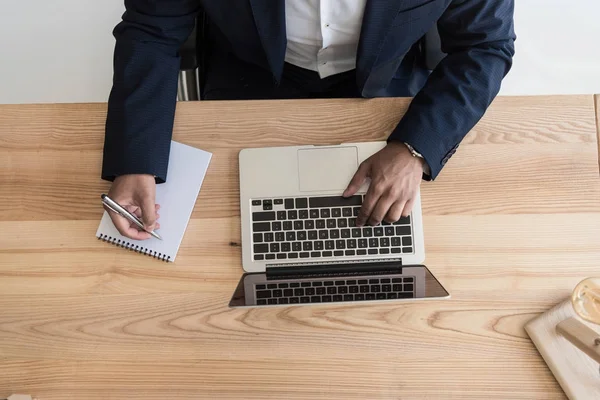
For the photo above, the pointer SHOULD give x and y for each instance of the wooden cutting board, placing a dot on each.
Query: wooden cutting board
(577, 374)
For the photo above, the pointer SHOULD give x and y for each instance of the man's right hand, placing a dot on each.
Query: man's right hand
(136, 193)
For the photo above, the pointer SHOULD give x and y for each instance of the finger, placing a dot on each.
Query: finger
(408, 207)
(157, 207)
(357, 180)
(148, 213)
(135, 210)
(395, 212)
(369, 202)
(380, 210)
(125, 229)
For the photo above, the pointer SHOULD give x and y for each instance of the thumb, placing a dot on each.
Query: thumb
(148, 213)
(357, 180)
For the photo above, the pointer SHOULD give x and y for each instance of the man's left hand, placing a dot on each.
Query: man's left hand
(395, 178)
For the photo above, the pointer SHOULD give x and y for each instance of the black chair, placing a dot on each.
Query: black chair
(195, 51)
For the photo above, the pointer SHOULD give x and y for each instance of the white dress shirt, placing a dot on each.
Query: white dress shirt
(322, 35)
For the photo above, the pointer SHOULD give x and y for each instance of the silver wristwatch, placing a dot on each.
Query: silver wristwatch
(413, 151)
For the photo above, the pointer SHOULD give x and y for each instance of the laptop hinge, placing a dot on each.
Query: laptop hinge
(333, 269)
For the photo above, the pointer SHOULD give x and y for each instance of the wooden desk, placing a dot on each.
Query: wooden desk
(511, 225)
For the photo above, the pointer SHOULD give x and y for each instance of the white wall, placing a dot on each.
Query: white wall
(61, 50)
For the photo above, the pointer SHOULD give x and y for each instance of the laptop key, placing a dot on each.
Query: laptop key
(278, 201)
(372, 251)
(303, 214)
(353, 289)
(315, 254)
(396, 287)
(261, 302)
(283, 285)
(350, 252)
(312, 235)
(288, 292)
(256, 202)
(279, 237)
(307, 246)
(373, 242)
(292, 255)
(261, 248)
(292, 214)
(356, 232)
(320, 290)
(299, 292)
(274, 247)
(305, 284)
(331, 290)
(384, 251)
(386, 288)
(378, 231)
(328, 283)
(261, 227)
(304, 299)
(263, 216)
(263, 294)
(301, 235)
(329, 245)
(380, 296)
(389, 231)
(405, 295)
(338, 253)
(334, 233)
(363, 289)
(403, 230)
(352, 222)
(334, 201)
(396, 250)
(318, 245)
(361, 252)
(403, 221)
(347, 212)
(342, 289)
(337, 297)
(287, 225)
(257, 237)
(336, 212)
(355, 211)
(290, 236)
(298, 225)
(370, 296)
(367, 232)
(295, 284)
(351, 243)
(326, 253)
(331, 223)
(408, 287)
(363, 243)
(325, 213)
(314, 214)
(340, 244)
(294, 300)
(310, 224)
(315, 299)
(359, 297)
(342, 222)
(269, 237)
(276, 226)
(320, 224)
(304, 255)
(384, 242)
(309, 291)
(348, 297)
(407, 241)
(345, 233)
(277, 293)
(288, 204)
(323, 234)
(326, 299)
(261, 287)
(283, 300)
(281, 256)
(259, 257)
(301, 202)
(407, 249)
(392, 295)
(296, 246)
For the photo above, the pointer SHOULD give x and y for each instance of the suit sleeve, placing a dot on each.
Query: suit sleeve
(478, 37)
(141, 106)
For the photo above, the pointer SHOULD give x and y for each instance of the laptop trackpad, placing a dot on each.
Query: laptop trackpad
(326, 169)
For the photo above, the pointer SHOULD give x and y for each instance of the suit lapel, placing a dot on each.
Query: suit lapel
(377, 22)
(269, 16)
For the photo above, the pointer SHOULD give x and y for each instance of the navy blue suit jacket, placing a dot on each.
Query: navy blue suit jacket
(477, 35)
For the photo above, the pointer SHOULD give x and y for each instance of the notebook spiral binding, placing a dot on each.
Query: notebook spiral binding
(134, 247)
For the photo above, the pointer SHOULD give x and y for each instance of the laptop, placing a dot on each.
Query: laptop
(300, 242)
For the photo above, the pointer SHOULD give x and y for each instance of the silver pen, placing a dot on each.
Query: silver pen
(116, 208)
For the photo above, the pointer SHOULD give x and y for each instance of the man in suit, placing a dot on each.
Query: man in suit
(305, 49)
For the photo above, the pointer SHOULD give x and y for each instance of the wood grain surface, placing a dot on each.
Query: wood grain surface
(511, 225)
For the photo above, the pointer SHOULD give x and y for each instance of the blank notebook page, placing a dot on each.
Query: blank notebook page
(177, 197)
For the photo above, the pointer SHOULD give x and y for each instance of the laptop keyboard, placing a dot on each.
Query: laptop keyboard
(334, 290)
(322, 227)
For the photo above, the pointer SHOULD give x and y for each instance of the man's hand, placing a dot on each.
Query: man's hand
(395, 178)
(136, 193)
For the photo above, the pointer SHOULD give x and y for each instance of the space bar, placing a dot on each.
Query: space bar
(334, 201)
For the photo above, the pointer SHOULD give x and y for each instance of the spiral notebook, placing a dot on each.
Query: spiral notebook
(177, 197)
